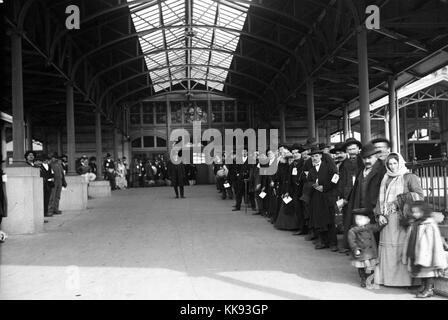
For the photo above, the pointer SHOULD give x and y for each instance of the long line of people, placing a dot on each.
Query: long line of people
(365, 191)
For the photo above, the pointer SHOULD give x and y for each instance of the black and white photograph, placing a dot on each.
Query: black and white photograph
(224, 154)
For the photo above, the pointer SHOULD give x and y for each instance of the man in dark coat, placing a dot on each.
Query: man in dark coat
(242, 175)
(367, 186)
(59, 183)
(47, 176)
(176, 173)
(348, 171)
(322, 200)
(109, 171)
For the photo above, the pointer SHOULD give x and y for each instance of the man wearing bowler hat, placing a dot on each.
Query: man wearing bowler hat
(348, 171)
(323, 178)
(339, 154)
(367, 186)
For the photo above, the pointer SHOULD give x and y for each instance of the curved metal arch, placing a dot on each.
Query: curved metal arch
(354, 11)
(265, 84)
(149, 31)
(185, 79)
(406, 104)
(23, 13)
(267, 66)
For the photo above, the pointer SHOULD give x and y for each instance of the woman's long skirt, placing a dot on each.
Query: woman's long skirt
(390, 270)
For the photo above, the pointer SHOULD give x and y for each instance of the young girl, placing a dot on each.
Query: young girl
(362, 243)
(423, 252)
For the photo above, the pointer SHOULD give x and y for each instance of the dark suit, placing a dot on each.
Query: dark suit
(109, 168)
(242, 173)
(322, 203)
(48, 180)
(59, 182)
(176, 173)
(296, 186)
(364, 195)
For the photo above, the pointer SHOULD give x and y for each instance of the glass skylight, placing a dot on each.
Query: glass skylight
(179, 46)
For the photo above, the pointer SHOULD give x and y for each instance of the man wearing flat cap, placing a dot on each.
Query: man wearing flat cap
(323, 179)
(367, 186)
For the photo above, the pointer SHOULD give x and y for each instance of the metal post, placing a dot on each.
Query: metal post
(71, 143)
(394, 137)
(346, 123)
(310, 105)
(282, 124)
(18, 125)
(405, 134)
(99, 145)
(114, 140)
(363, 74)
(386, 123)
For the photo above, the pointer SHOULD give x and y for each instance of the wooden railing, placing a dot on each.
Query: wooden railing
(433, 175)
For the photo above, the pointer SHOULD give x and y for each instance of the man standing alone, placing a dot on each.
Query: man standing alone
(59, 183)
(176, 173)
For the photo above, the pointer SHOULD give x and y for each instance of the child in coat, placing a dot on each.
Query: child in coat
(423, 252)
(362, 243)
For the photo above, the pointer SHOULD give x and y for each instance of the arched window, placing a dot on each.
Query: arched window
(149, 142)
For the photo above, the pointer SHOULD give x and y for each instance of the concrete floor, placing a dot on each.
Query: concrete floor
(144, 244)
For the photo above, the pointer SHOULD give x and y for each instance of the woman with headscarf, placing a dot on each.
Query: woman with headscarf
(397, 181)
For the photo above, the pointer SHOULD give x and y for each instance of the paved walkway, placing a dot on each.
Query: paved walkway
(144, 244)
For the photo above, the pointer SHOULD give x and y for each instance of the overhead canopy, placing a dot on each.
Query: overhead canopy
(261, 51)
(183, 37)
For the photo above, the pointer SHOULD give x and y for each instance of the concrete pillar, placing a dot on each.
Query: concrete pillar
(310, 105)
(346, 121)
(282, 124)
(393, 110)
(26, 207)
(29, 132)
(363, 75)
(71, 143)
(99, 145)
(18, 124)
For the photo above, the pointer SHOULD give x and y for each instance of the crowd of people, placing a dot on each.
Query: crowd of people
(147, 173)
(387, 229)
